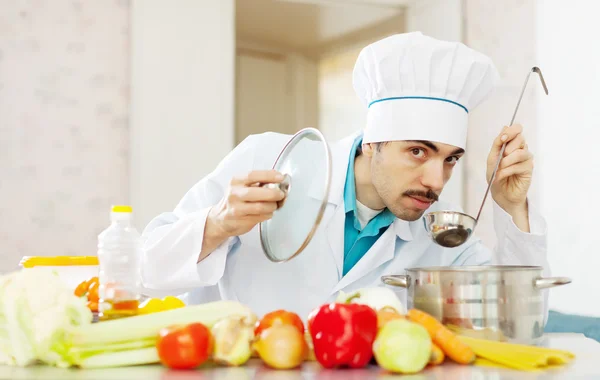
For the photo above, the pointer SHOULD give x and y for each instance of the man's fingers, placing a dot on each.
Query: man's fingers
(258, 176)
(507, 134)
(521, 168)
(516, 157)
(260, 208)
(257, 194)
(517, 143)
(245, 210)
(255, 219)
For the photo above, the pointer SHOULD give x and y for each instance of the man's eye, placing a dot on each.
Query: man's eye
(452, 160)
(418, 152)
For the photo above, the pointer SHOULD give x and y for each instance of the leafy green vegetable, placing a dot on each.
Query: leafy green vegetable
(37, 310)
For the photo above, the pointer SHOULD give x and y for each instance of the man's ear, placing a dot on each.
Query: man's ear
(368, 149)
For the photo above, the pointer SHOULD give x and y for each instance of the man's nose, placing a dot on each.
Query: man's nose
(433, 177)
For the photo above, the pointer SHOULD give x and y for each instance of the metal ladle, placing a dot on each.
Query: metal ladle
(451, 228)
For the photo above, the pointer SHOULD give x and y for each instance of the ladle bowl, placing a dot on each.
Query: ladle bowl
(449, 228)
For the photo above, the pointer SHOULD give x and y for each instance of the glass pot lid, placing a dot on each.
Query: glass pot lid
(305, 162)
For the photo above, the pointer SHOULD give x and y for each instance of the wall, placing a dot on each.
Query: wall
(567, 161)
(262, 94)
(64, 97)
(276, 89)
(340, 110)
(182, 99)
(65, 122)
(437, 18)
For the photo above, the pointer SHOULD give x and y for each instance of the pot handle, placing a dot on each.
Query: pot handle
(401, 280)
(550, 282)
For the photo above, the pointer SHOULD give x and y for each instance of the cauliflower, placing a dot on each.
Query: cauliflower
(37, 310)
(375, 297)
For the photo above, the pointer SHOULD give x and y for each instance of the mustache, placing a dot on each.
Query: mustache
(425, 194)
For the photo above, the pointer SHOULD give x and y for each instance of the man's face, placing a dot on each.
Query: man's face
(410, 175)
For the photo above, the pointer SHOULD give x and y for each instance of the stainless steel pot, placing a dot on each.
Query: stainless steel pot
(504, 303)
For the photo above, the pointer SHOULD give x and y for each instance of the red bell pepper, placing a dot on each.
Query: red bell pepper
(343, 334)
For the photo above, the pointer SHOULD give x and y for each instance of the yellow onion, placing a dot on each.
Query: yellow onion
(281, 346)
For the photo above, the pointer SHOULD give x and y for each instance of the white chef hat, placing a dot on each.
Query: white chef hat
(420, 88)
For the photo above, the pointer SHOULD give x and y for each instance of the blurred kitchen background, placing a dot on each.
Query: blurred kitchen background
(112, 102)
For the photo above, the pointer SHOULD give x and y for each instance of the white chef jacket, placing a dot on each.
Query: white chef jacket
(239, 270)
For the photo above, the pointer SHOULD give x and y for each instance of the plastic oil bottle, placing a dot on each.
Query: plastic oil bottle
(119, 255)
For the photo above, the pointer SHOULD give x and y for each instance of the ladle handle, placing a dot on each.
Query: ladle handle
(533, 70)
(491, 179)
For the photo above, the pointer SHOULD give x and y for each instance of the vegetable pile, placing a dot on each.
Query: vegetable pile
(52, 325)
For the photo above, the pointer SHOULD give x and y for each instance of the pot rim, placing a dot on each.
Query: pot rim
(477, 268)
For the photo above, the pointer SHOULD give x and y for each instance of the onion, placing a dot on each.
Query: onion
(281, 347)
(402, 346)
(232, 341)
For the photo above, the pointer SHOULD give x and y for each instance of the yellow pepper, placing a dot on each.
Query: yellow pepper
(155, 305)
(170, 302)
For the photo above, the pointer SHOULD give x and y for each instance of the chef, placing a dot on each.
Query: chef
(419, 92)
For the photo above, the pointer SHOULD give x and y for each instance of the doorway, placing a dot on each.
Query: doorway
(294, 62)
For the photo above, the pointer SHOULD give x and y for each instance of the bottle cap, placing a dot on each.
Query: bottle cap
(122, 208)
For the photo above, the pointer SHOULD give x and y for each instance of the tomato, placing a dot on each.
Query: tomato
(279, 317)
(184, 347)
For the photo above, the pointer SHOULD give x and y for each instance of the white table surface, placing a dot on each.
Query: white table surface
(585, 366)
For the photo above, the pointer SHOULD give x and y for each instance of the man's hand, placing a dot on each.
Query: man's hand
(244, 205)
(513, 178)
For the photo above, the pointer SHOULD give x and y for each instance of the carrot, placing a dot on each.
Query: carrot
(93, 306)
(81, 289)
(93, 292)
(437, 355)
(386, 315)
(449, 342)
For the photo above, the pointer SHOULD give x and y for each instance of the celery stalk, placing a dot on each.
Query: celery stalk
(121, 346)
(149, 325)
(121, 358)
